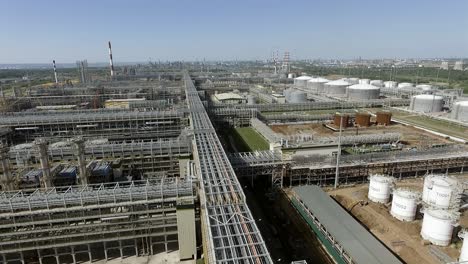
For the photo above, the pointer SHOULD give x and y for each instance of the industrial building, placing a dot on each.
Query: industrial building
(131, 165)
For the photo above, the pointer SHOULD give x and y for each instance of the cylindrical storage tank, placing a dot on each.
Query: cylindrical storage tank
(405, 85)
(291, 75)
(337, 118)
(251, 100)
(352, 80)
(379, 188)
(460, 111)
(287, 93)
(317, 84)
(427, 103)
(440, 191)
(364, 81)
(464, 250)
(437, 226)
(424, 87)
(390, 84)
(362, 119)
(384, 118)
(378, 83)
(363, 92)
(301, 81)
(336, 87)
(404, 204)
(298, 97)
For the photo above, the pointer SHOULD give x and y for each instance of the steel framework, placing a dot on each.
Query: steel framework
(87, 221)
(229, 230)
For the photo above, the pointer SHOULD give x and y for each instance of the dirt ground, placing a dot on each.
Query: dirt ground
(401, 237)
(410, 136)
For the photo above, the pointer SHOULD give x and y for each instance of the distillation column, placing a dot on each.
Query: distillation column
(79, 152)
(6, 179)
(41, 144)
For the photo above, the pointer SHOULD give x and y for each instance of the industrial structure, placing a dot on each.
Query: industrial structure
(131, 164)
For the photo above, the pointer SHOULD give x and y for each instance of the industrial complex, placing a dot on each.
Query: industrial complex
(255, 163)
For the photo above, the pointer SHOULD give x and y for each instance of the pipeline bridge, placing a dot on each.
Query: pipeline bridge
(230, 234)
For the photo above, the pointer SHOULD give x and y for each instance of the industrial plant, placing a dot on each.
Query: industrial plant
(217, 162)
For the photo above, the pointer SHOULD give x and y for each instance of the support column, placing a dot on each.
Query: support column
(57, 257)
(41, 144)
(90, 254)
(6, 179)
(73, 254)
(79, 152)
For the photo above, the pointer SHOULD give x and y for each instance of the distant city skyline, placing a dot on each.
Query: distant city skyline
(40, 31)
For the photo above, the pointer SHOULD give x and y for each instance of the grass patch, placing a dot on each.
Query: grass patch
(440, 126)
(247, 139)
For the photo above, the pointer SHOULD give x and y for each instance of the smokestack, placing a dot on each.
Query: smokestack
(46, 180)
(111, 61)
(55, 71)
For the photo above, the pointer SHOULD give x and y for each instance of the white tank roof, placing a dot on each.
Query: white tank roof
(428, 96)
(337, 82)
(405, 84)
(318, 80)
(424, 86)
(364, 86)
(462, 103)
(304, 77)
(390, 82)
(409, 194)
(442, 214)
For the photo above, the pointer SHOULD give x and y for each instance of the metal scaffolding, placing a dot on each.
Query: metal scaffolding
(229, 230)
(82, 222)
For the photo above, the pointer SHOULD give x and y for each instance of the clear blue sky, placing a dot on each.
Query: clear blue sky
(38, 31)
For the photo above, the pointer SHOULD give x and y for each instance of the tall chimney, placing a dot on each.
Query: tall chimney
(46, 181)
(80, 148)
(6, 179)
(55, 71)
(111, 61)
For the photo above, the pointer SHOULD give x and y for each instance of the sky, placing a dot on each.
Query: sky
(35, 31)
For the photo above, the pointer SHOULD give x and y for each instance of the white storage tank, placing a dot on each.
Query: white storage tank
(464, 250)
(301, 81)
(298, 97)
(390, 84)
(404, 204)
(424, 87)
(251, 100)
(460, 111)
(379, 188)
(440, 191)
(287, 93)
(363, 92)
(427, 103)
(317, 84)
(437, 226)
(352, 80)
(336, 87)
(378, 83)
(405, 85)
(364, 81)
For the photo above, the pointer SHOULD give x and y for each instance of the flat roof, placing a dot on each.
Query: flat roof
(228, 96)
(359, 243)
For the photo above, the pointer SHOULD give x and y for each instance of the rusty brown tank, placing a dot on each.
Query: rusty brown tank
(362, 119)
(384, 118)
(336, 120)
